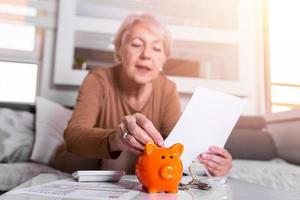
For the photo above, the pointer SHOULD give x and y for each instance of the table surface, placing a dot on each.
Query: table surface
(233, 189)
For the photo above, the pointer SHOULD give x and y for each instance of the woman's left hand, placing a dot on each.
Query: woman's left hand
(217, 160)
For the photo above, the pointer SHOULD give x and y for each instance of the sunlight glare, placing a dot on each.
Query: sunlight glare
(18, 82)
(284, 31)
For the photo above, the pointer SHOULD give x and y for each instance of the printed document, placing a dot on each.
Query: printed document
(69, 188)
(207, 120)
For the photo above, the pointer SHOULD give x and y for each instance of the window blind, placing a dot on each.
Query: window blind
(23, 22)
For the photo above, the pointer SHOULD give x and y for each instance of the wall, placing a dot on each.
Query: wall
(62, 94)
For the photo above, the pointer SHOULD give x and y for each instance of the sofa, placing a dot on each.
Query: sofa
(31, 142)
(257, 158)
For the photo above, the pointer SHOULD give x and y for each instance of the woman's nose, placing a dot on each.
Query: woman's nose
(146, 53)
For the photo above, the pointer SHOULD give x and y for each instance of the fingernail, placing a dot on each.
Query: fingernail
(212, 148)
(161, 143)
(158, 142)
(203, 155)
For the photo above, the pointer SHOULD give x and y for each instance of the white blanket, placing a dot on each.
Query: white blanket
(16, 135)
(276, 173)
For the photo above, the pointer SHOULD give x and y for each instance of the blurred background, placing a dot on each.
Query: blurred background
(242, 47)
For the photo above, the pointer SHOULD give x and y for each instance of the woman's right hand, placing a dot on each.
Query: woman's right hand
(140, 130)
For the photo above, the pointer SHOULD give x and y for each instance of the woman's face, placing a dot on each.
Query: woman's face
(142, 54)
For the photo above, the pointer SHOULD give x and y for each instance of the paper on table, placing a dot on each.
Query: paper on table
(69, 188)
(207, 120)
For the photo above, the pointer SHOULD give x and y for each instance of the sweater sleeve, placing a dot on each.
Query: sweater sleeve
(81, 136)
(171, 111)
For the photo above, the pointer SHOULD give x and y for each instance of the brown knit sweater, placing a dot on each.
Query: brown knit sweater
(100, 109)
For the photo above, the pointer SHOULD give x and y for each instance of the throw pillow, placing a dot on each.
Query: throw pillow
(51, 120)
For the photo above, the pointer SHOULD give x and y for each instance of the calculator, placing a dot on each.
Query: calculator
(98, 175)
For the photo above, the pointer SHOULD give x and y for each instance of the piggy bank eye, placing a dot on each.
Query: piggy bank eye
(162, 157)
(171, 157)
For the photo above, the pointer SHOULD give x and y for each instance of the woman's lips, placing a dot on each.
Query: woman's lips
(143, 68)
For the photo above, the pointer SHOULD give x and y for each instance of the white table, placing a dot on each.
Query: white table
(233, 189)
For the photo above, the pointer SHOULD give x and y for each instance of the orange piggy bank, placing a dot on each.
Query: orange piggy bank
(160, 169)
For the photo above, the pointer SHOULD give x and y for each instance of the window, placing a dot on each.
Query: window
(21, 31)
(18, 37)
(283, 55)
(17, 82)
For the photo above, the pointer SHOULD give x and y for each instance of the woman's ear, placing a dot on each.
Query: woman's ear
(117, 55)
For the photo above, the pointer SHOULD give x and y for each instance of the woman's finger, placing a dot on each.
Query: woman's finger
(147, 125)
(219, 151)
(215, 172)
(217, 160)
(214, 158)
(125, 146)
(213, 165)
(134, 143)
(137, 132)
(128, 147)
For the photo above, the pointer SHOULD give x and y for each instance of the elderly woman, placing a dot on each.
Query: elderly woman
(120, 109)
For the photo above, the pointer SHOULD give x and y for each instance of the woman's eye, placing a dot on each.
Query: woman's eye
(136, 44)
(157, 48)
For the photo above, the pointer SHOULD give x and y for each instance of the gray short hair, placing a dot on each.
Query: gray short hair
(151, 22)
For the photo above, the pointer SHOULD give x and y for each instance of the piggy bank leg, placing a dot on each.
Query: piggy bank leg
(152, 190)
(173, 190)
(144, 188)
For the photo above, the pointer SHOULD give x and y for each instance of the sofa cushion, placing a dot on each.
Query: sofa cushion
(14, 174)
(251, 144)
(251, 122)
(285, 129)
(16, 135)
(290, 154)
(51, 120)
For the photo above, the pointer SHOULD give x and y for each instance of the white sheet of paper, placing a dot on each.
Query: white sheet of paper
(69, 188)
(207, 120)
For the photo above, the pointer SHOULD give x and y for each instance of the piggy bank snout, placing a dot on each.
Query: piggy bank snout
(169, 171)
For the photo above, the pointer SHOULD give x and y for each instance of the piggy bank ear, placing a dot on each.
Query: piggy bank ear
(150, 147)
(177, 149)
